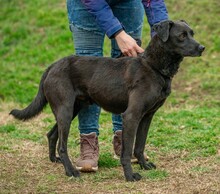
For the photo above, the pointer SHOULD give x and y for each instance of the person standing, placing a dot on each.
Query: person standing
(121, 21)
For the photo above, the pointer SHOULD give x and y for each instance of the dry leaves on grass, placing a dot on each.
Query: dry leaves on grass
(25, 168)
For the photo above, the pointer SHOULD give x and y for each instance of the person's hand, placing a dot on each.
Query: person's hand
(127, 44)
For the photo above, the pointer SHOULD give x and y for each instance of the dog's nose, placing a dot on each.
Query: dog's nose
(201, 48)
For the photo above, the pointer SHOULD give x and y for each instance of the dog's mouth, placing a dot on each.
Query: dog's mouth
(197, 52)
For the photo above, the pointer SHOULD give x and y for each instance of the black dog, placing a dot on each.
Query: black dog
(135, 87)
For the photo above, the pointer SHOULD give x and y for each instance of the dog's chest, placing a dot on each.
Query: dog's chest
(166, 89)
(163, 94)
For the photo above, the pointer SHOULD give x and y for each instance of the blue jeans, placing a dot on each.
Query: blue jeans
(88, 40)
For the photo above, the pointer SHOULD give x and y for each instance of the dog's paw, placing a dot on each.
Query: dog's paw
(55, 159)
(147, 166)
(134, 177)
(73, 172)
(76, 173)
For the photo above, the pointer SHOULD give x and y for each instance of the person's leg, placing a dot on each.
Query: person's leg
(88, 41)
(130, 14)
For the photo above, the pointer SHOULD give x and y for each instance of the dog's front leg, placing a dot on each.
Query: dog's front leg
(130, 123)
(140, 142)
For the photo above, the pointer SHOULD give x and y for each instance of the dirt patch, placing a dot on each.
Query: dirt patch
(25, 168)
(5, 118)
(28, 170)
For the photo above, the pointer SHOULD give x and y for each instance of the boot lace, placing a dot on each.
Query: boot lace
(89, 148)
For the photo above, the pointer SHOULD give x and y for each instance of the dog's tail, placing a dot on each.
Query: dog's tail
(36, 106)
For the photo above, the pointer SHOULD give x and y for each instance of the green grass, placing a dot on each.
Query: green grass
(195, 130)
(156, 174)
(184, 138)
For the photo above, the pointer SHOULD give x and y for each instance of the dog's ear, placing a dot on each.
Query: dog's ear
(163, 29)
(184, 22)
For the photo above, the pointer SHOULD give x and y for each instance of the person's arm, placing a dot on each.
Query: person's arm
(103, 16)
(128, 45)
(156, 11)
(111, 26)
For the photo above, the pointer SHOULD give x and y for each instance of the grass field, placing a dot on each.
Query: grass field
(184, 138)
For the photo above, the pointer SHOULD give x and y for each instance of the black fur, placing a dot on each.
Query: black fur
(36, 105)
(134, 87)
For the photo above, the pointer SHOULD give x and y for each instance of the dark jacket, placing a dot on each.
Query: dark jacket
(155, 10)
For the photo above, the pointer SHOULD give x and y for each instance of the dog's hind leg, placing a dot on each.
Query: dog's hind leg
(64, 117)
(52, 136)
(140, 142)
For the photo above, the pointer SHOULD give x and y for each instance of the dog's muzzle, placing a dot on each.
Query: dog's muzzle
(201, 48)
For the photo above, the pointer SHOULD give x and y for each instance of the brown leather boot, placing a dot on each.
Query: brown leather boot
(117, 140)
(89, 153)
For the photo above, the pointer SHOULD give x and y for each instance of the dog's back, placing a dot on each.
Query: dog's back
(135, 86)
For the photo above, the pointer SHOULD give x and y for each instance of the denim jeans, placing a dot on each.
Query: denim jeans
(88, 40)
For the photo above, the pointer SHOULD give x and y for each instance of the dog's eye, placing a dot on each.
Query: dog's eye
(183, 35)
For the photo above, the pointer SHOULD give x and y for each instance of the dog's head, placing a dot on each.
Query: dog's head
(178, 37)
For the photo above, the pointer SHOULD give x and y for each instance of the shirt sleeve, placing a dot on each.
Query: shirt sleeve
(103, 16)
(156, 11)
